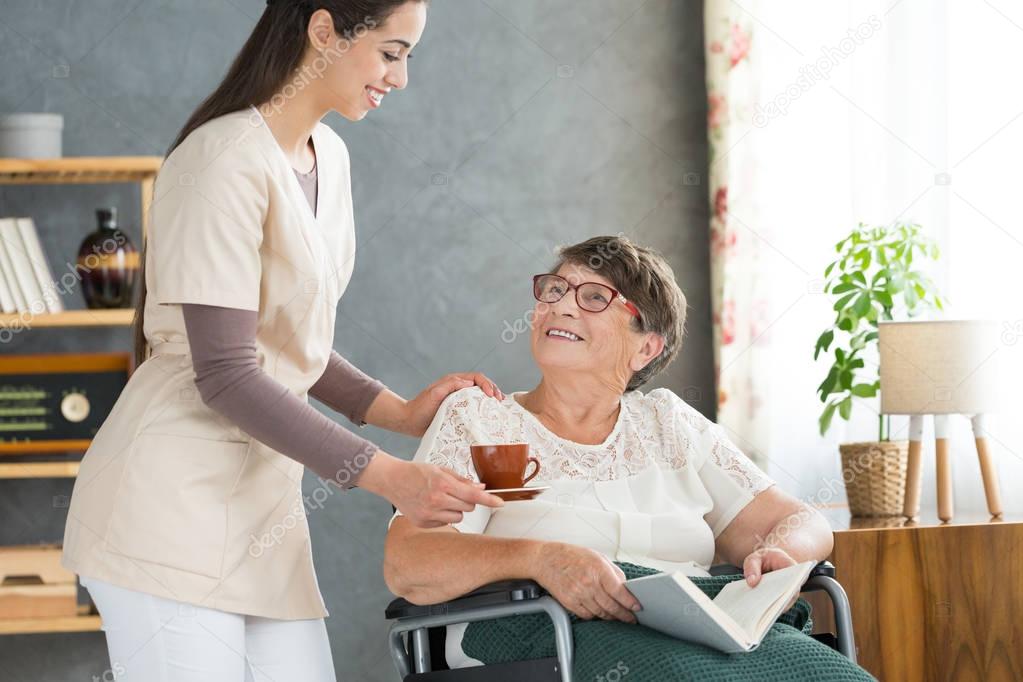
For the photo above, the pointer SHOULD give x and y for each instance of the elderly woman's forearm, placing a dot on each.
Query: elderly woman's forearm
(427, 567)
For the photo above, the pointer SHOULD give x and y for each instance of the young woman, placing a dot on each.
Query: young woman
(187, 522)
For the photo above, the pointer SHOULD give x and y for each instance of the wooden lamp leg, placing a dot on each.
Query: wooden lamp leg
(911, 501)
(943, 467)
(987, 468)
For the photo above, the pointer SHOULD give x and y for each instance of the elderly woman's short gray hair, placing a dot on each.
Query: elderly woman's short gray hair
(646, 279)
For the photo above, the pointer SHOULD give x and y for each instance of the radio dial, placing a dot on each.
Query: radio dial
(74, 407)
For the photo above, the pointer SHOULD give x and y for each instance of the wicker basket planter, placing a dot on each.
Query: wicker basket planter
(875, 477)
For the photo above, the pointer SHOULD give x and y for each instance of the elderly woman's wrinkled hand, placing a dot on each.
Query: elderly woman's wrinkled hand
(765, 560)
(585, 582)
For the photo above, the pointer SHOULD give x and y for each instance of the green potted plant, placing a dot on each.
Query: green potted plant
(874, 278)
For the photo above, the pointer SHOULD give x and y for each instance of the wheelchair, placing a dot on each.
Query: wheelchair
(416, 639)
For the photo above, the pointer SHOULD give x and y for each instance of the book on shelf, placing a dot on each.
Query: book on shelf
(735, 621)
(7, 304)
(7, 274)
(26, 281)
(44, 276)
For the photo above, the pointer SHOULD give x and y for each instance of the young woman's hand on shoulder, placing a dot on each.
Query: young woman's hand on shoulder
(412, 417)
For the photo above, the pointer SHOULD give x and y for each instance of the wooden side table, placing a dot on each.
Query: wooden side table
(932, 600)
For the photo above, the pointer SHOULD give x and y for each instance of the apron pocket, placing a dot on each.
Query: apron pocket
(171, 505)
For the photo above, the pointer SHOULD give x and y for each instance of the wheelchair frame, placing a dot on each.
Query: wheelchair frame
(412, 647)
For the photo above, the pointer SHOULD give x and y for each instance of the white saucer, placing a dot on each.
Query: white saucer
(517, 494)
(517, 490)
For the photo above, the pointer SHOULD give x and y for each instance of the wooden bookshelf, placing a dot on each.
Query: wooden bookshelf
(83, 170)
(140, 170)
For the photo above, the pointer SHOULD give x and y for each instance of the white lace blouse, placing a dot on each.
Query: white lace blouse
(657, 492)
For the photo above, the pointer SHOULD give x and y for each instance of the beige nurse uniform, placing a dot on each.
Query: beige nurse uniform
(172, 498)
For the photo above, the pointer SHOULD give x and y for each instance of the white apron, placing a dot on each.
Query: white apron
(172, 498)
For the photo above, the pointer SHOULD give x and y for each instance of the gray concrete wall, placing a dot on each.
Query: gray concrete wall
(527, 123)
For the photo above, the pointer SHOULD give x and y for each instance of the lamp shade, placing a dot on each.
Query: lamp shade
(942, 367)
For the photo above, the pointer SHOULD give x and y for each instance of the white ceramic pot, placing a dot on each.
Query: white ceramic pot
(31, 136)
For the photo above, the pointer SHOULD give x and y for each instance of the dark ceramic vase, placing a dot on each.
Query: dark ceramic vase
(108, 264)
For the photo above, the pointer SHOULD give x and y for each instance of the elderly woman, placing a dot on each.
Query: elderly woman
(637, 478)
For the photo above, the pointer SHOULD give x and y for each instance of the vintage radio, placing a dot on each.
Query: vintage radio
(56, 403)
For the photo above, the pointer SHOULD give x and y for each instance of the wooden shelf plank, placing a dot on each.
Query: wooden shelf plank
(44, 446)
(78, 170)
(39, 469)
(113, 317)
(29, 626)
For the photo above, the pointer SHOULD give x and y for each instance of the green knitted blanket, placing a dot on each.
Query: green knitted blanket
(608, 651)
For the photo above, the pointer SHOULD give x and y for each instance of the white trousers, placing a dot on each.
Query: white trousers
(152, 639)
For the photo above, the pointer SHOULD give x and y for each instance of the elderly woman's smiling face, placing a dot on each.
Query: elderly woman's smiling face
(605, 345)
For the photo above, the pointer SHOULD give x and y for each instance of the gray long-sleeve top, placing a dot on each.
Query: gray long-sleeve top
(231, 381)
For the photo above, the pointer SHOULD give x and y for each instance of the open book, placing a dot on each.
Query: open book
(735, 621)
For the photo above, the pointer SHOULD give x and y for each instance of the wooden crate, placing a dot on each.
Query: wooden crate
(33, 584)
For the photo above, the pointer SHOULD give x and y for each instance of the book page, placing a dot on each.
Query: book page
(672, 604)
(752, 607)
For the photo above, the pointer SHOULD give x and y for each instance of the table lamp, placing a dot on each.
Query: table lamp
(942, 368)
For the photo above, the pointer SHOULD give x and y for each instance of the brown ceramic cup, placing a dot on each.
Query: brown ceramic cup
(503, 465)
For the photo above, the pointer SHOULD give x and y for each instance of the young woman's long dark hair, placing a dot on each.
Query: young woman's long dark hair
(263, 66)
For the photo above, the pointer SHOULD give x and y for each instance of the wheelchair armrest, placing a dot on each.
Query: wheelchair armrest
(501, 592)
(824, 568)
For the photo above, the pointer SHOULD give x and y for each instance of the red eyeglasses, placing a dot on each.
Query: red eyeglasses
(593, 297)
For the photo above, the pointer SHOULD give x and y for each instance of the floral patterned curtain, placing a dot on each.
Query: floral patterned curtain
(738, 299)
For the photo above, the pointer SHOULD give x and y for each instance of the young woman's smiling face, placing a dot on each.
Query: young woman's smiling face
(361, 69)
